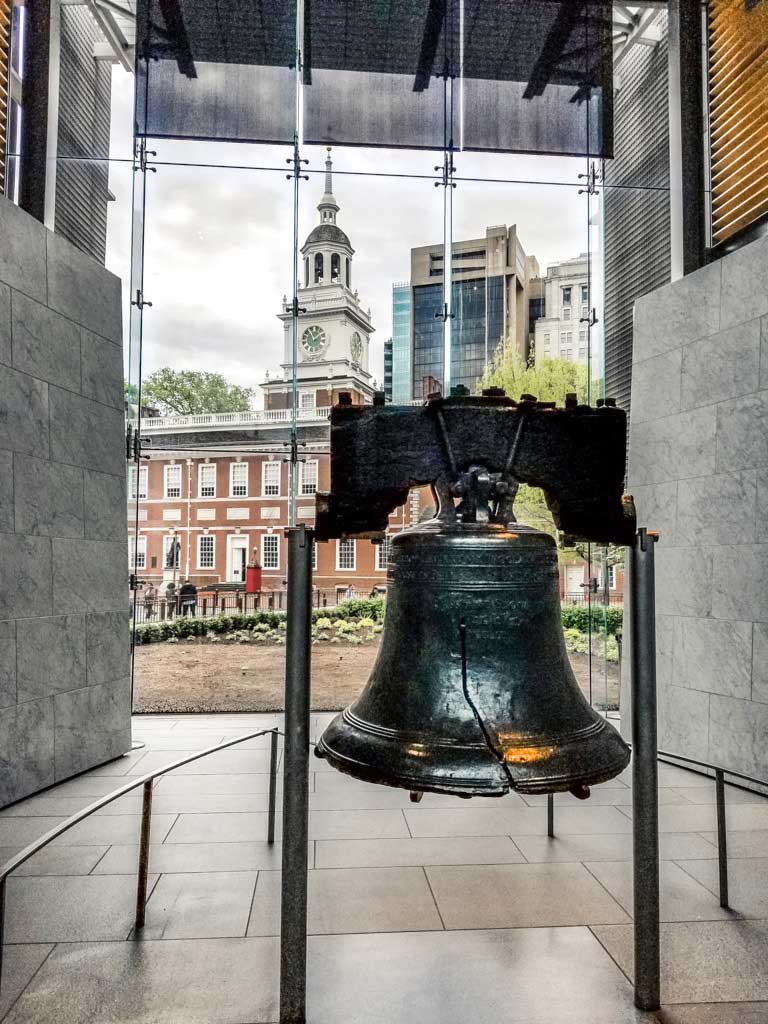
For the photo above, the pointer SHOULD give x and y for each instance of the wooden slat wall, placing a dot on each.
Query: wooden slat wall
(5, 60)
(738, 111)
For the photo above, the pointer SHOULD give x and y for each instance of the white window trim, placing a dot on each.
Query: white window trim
(271, 536)
(264, 492)
(314, 556)
(346, 568)
(137, 546)
(386, 545)
(202, 466)
(232, 479)
(135, 488)
(302, 468)
(176, 467)
(308, 400)
(212, 538)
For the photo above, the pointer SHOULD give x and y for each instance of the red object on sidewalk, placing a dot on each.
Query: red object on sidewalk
(253, 579)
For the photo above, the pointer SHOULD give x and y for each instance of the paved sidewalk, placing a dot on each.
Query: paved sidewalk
(447, 911)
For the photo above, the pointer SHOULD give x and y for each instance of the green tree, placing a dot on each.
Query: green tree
(186, 392)
(550, 381)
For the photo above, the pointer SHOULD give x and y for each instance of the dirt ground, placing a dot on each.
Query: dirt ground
(200, 676)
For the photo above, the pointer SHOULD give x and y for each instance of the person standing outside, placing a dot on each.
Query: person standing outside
(170, 599)
(188, 596)
(150, 598)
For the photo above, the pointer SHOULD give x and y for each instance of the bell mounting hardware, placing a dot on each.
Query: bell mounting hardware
(478, 450)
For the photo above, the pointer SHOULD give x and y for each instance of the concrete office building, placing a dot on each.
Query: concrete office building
(561, 332)
(489, 303)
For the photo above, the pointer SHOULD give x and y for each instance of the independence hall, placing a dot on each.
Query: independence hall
(213, 490)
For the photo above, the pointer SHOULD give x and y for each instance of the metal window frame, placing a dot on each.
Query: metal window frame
(264, 485)
(232, 467)
(269, 537)
(205, 537)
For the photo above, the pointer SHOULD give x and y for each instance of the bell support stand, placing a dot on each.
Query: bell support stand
(645, 794)
(293, 905)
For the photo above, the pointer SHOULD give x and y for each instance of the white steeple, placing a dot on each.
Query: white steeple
(328, 206)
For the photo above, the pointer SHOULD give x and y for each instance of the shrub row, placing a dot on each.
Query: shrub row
(361, 609)
(578, 616)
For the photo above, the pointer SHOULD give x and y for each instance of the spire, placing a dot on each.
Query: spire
(328, 206)
(328, 173)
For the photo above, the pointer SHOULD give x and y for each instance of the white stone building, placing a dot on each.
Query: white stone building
(562, 333)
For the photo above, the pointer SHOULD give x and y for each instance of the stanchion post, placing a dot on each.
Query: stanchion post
(272, 785)
(146, 824)
(551, 815)
(722, 837)
(293, 912)
(645, 797)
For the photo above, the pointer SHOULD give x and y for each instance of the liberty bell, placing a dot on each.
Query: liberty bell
(472, 692)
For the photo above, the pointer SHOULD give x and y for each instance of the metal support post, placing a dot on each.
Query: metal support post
(293, 909)
(272, 785)
(551, 815)
(722, 837)
(2, 926)
(146, 822)
(645, 796)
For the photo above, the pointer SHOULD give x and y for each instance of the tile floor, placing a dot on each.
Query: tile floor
(442, 911)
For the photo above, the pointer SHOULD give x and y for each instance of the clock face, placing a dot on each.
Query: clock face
(313, 341)
(356, 347)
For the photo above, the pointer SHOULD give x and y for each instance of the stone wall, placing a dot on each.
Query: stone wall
(64, 658)
(698, 468)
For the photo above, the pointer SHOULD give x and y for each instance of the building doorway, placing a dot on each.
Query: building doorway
(237, 558)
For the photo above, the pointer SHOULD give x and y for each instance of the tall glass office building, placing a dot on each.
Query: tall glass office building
(490, 287)
(401, 342)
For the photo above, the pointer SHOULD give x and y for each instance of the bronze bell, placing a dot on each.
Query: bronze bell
(472, 692)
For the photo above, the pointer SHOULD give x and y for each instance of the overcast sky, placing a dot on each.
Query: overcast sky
(218, 239)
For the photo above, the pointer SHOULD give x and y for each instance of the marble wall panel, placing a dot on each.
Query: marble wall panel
(26, 569)
(92, 725)
(6, 356)
(7, 663)
(102, 370)
(86, 433)
(83, 290)
(107, 647)
(764, 352)
(684, 582)
(105, 504)
(673, 448)
(26, 749)
(715, 656)
(723, 366)
(24, 422)
(740, 582)
(45, 344)
(742, 433)
(656, 385)
(90, 575)
(22, 253)
(668, 318)
(656, 506)
(718, 509)
(683, 717)
(745, 284)
(738, 734)
(6, 491)
(50, 655)
(48, 497)
(760, 662)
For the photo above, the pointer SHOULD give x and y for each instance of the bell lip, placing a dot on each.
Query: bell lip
(395, 780)
(440, 529)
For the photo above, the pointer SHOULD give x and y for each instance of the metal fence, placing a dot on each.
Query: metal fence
(597, 599)
(234, 602)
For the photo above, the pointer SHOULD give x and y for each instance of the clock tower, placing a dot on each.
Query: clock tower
(334, 330)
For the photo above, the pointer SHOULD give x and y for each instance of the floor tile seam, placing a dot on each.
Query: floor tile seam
(168, 831)
(629, 916)
(407, 825)
(434, 898)
(253, 899)
(34, 974)
(703, 885)
(150, 891)
(608, 953)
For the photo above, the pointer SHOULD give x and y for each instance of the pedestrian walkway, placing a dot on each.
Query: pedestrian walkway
(445, 911)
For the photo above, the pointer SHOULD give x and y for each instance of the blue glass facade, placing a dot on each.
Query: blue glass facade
(401, 342)
(477, 330)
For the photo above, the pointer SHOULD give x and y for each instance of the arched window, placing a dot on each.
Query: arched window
(306, 271)
(335, 266)
(347, 271)
(318, 267)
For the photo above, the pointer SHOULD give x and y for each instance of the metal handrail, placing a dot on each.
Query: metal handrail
(146, 819)
(722, 835)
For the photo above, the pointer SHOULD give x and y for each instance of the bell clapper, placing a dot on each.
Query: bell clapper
(580, 791)
(416, 798)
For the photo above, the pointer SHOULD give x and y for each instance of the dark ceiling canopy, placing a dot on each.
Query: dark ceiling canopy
(519, 59)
